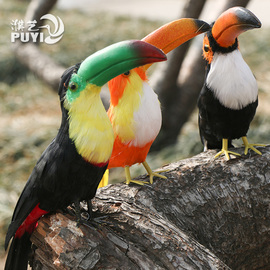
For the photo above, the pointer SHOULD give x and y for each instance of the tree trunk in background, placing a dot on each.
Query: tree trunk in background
(29, 53)
(206, 206)
(166, 85)
(233, 3)
(39, 63)
(38, 8)
(178, 95)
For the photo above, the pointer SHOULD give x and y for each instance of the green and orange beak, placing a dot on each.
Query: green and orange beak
(175, 33)
(118, 58)
(231, 23)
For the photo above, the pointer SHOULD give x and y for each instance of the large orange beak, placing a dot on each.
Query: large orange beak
(231, 23)
(175, 33)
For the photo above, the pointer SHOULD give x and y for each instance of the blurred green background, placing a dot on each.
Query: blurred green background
(30, 112)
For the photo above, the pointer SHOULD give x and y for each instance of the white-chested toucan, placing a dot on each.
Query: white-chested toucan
(135, 111)
(228, 100)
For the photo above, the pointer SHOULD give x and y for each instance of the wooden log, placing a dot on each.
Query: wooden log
(206, 206)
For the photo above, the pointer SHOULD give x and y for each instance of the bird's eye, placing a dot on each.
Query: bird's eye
(73, 86)
(206, 48)
(126, 73)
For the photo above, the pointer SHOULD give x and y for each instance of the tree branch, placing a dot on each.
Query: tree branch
(38, 8)
(31, 56)
(165, 86)
(34, 59)
(205, 207)
(233, 3)
(39, 63)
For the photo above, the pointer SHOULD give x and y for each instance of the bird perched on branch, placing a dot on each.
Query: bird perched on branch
(134, 110)
(228, 100)
(72, 166)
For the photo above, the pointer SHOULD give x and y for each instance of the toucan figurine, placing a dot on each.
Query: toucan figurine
(135, 111)
(228, 100)
(72, 166)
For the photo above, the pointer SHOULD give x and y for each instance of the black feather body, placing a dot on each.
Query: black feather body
(217, 121)
(61, 177)
(18, 255)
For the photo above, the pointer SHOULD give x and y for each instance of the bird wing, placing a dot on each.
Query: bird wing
(28, 199)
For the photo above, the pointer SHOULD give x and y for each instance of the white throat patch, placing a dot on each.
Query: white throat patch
(231, 80)
(147, 119)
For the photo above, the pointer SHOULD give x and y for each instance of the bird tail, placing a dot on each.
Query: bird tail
(18, 253)
(105, 180)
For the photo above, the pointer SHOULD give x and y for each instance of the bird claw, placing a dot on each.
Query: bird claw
(96, 222)
(225, 150)
(251, 146)
(226, 153)
(128, 181)
(85, 215)
(152, 174)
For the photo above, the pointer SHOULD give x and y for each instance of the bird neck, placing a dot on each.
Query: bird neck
(219, 49)
(136, 119)
(126, 94)
(89, 126)
(231, 80)
(123, 83)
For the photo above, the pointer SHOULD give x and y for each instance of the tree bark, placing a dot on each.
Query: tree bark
(206, 206)
(177, 90)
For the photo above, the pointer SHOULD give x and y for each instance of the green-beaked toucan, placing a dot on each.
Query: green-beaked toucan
(70, 169)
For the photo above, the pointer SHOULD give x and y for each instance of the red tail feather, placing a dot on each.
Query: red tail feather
(30, 222)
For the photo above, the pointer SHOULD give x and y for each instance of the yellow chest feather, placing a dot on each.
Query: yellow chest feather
(123, 114)
(90, 127)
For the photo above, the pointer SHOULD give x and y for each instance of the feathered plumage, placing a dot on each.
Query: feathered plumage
(229, 97)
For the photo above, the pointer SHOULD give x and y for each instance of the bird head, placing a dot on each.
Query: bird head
(166, 38)
(225, 30)
(100, 67)
(89, 127)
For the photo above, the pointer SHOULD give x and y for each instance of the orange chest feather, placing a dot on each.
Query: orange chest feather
(127, 154)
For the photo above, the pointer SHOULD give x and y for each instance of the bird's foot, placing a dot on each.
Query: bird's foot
(102, 222)
(82, 215)
(96, 222)
(251, 146)
(225, 150)
(152, 174)
(226, 153)
(129, 180)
